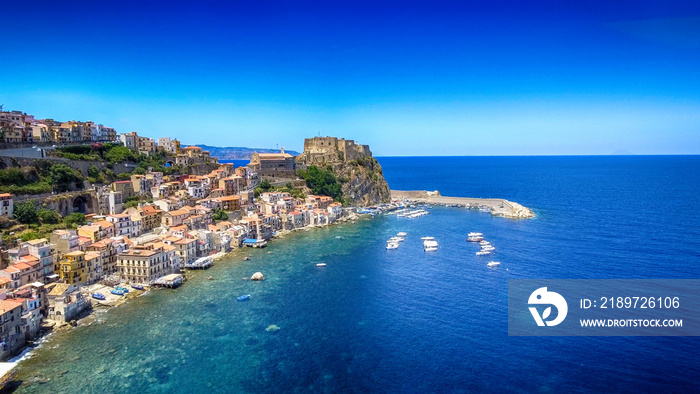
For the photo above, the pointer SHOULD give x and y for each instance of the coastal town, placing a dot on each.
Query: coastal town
(145, 228)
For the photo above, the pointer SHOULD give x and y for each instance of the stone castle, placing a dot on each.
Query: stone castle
(319, 150)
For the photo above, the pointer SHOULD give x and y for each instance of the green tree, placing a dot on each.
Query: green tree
(118, 154)
(49, 216)
(322, 181)
(26, 213)
(93, 171)
(219, 214)
(62, 177)
(75, 219)
(130, 204)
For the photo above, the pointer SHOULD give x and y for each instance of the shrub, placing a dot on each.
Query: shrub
(75, 219)
(26, 213)
(49, 216)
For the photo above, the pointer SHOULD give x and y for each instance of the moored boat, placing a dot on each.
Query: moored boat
(483, 253)
(402, 234)
(244, 297)
(321, 265)
(98, 296)
(117, 292)
(137, 287)
(493, 264)
(392, 245)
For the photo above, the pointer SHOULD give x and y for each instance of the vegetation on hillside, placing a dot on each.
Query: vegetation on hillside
(43, 177)
(322, 181)
(265, 186)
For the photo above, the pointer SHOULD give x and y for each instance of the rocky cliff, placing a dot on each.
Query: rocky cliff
(362, 182)
(359, 174)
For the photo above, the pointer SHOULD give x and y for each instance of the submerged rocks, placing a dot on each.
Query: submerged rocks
(272, 328)
(257, 276)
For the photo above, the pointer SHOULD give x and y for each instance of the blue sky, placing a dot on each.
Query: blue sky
(408, 78)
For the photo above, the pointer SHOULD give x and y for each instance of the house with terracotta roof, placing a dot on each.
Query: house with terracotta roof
(6, 205)
(174, 218)
(66, 302)
(108, 250)
(11, 332)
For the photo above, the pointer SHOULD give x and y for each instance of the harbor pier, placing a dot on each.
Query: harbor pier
(497, 206)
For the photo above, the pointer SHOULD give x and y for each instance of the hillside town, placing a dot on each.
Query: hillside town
(180, 221)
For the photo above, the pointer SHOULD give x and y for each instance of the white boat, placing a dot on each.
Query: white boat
(488, 248)
(392, 245)
(402, 234)
(475, 237)
(396, 239)
(430, 244)
(321, 265)
(427, 238)
(431, 249)
(493, 264)
(484, 243)
(483, 253)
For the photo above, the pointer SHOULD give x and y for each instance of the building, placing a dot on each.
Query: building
(130, 140)
(115, 203)
(273, 165)
(107, 250)
(323, 150)
(72, 268)
(66, 302)
(64, 241)
(7, 205)
(168, 145)
(174, 218)
(11, 333)
(124, 226)
(144, 264)
(126, 188)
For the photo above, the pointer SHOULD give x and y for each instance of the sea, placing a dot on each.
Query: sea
(407, 321)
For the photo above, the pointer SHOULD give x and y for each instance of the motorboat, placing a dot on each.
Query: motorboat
(321, 265)
(488, 248)
(396, 239)
(137, 287)
(122, 288)
(475, 237)
(392, 245)
(493, 264)
(428, 238)
(483, 253)
(431, 249)
(244, 297)
(402, 234)
(484, 243)
(98, 296)
(117, 292)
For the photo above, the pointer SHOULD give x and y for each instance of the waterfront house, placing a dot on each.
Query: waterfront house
(144, 264)
(66, 302)
(11, 333)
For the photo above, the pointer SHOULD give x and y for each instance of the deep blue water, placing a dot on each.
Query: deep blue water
(407, 321)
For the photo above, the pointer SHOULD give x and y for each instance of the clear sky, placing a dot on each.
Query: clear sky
(408, 78)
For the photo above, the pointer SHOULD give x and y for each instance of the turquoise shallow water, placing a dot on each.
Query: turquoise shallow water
(407, 321)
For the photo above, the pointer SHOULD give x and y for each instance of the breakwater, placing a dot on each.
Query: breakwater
(497, 206)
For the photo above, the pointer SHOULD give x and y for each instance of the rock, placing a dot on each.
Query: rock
(246, 258)
(272, 328)
(257, 276)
